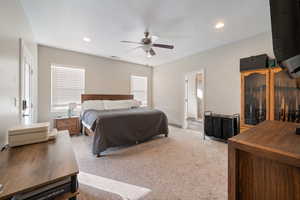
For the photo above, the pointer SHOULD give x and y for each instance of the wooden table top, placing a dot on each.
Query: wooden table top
(274, 139)
(28, 167)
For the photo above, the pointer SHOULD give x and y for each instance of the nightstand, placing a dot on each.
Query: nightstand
(72, 124)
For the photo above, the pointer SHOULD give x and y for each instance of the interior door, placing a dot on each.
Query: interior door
(186, 99)
(26, 86)
(199, 95)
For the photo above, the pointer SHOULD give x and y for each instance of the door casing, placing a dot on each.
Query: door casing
(26, 85)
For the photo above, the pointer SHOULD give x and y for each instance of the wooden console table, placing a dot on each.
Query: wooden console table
(264, 163)
(30, 167)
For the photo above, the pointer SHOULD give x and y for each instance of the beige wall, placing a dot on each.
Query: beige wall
(222, 77)
(13, 25)
(103, 76)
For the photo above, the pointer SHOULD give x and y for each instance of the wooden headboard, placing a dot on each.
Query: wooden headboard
(86, 97)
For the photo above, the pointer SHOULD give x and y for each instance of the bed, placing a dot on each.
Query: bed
(116, 127)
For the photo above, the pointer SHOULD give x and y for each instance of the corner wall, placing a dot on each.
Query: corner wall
(222, 77)
(102, 75)
(14, 25)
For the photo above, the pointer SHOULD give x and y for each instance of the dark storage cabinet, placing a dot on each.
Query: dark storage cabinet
(254, 62)
(221, 126)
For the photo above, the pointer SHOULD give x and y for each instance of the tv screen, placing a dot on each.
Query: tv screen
(285, 17)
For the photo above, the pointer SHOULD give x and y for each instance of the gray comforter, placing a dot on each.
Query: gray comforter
(119, 127)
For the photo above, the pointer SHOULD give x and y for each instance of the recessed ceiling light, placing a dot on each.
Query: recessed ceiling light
(87, 39)
(219, 25)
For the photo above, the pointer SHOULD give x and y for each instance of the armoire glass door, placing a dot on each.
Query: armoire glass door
(255, 88)
(286, 97)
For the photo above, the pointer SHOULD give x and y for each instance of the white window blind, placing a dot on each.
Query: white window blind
(67, 85)
(139, 88)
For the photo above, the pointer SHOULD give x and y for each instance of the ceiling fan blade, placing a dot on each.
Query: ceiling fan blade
(163, 46)
(132, 42)
(152, 52)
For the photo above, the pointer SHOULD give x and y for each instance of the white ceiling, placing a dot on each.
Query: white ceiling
(187, 24)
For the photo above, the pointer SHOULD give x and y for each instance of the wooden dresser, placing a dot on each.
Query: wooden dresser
(27, 168)
(72, 124)
(264, 163)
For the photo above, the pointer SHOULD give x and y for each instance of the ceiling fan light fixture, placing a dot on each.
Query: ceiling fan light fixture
(147, 44)
(149, 54)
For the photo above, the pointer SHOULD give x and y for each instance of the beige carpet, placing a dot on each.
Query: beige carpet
(180, 167)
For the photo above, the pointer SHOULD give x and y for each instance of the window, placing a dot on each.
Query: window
(139, 88)
(67, 85)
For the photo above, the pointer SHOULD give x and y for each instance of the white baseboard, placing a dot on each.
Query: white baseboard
(175, 125)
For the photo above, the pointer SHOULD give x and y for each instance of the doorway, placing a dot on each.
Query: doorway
(26, 85)
(194, 100)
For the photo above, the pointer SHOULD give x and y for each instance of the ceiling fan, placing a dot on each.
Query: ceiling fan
(148, 43)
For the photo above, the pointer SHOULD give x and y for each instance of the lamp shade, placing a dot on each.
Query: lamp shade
(72, 106)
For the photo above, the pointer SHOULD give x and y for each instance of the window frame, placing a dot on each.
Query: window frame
(63, 107)
(146, 92)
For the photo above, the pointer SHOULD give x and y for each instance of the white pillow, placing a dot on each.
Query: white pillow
(93, 104)
(121, 104)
